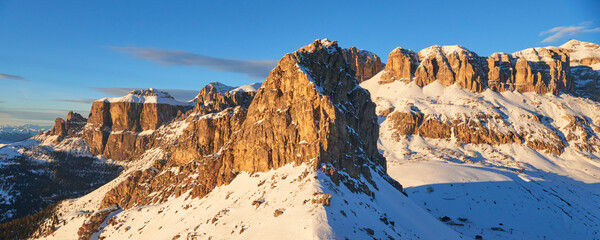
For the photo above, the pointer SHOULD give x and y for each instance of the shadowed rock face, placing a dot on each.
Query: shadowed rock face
(364, 63)
(310, 110)
(59, 128)
(543, 70)
(585, 59)
(587, 83)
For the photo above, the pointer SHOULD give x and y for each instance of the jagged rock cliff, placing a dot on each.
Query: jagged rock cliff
(541, 70)
(118, 128)
(73, 125)
(402, 64)
(364, 63)
(216, 97)
(450, 65)
(310, 108)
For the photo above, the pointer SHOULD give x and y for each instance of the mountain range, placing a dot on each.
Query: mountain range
(334, 144)
(9, 134)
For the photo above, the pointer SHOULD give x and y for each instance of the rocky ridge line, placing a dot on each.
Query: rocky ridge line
(540, 70)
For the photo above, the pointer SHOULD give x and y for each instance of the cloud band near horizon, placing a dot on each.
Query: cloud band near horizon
(255, 69)
(13, 77)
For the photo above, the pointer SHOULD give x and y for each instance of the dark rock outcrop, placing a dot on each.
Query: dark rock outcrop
(587, 82)
(59, 128)
(71, 127)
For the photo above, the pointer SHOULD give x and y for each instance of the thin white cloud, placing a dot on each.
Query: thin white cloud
(252, 68)
(561, 32)
(82, 101)
(12, 77)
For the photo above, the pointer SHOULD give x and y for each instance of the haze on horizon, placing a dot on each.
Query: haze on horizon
(61, 55)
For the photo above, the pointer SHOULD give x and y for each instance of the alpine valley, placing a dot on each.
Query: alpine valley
(334, 144)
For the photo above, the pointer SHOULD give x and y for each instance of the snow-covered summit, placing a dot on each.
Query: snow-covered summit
(248, 88)
(144, 96)
(220, 87)
(436, 50)
(583, 53)
(582, 49)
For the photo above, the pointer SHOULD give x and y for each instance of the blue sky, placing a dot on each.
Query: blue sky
(57, 56)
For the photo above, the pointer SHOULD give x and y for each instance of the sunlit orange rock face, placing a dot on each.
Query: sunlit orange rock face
(541, 70)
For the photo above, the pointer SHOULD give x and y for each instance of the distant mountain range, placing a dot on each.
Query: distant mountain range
(10, 133)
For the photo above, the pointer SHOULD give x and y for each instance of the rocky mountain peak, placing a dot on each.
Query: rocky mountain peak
(318, 45)
(583, 53)
(75, 117)
(402, 64)
(216, 97)
(450, 65)
(217, 87)
(576, 45)
(542, 55)
(432, 51)
(71, 127)
(310, 110)
(364, 63)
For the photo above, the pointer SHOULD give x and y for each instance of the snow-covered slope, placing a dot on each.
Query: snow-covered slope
(273, 205)
(500, 191)
(37, 172)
